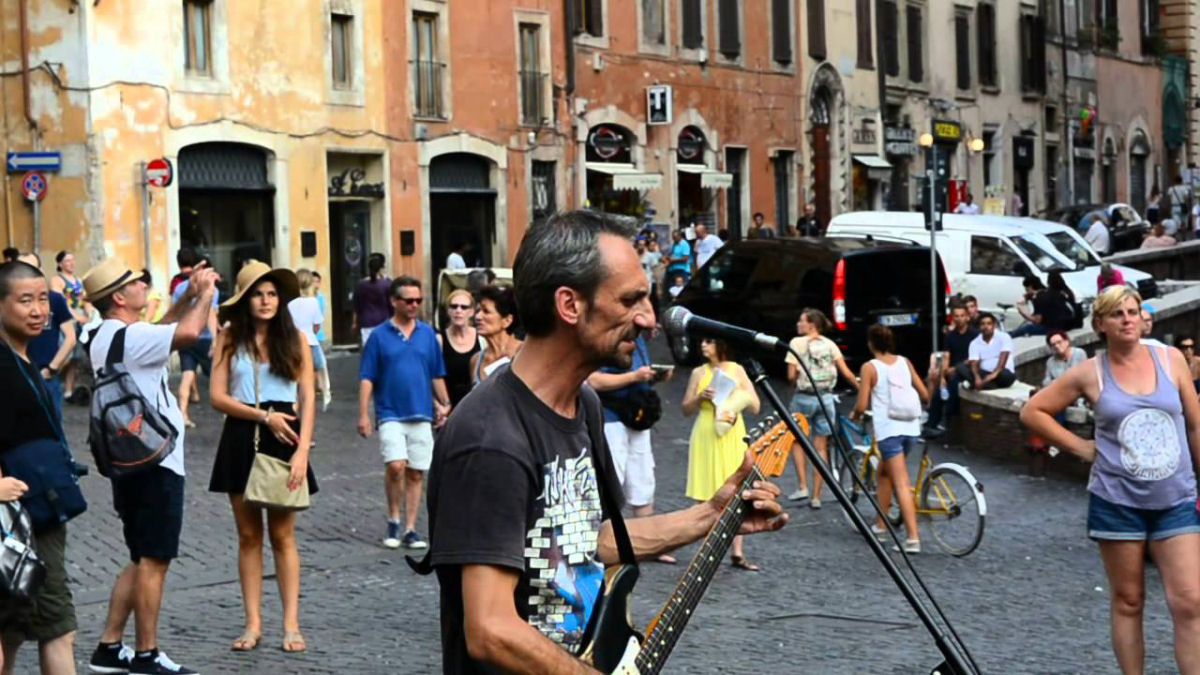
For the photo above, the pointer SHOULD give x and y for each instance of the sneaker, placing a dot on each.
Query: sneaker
(414, 541)
(911, 546)
(880, 533)
(155, 662)
(392, 540)
(189, 424)
(799, 495)
(934, 431)
(815, 503)
(111, 659)
(326, 398)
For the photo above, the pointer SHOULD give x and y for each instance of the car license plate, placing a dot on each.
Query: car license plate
(898, 319)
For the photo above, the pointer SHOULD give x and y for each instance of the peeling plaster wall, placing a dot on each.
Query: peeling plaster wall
(269, 88)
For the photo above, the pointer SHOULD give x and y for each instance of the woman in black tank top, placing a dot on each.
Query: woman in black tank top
(461, 331)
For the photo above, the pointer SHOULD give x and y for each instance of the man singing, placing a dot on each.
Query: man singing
(518, 534)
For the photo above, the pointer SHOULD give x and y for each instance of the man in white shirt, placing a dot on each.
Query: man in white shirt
(706, 245)
(1097, 235)
(150, 502)
(989, 357)
(968, 207)
(456, 259)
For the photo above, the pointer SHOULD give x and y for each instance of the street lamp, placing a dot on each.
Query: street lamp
(976, 145)
(926, 140)
(931, 158)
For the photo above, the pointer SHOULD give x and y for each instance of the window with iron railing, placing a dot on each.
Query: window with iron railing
(533, 80)
(427, 67)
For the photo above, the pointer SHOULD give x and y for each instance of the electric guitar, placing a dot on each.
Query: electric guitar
(611, 644)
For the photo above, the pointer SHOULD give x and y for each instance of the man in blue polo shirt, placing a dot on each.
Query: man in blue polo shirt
(402, 369)
(681, 257)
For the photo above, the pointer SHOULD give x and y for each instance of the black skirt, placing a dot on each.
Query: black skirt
(235, 452)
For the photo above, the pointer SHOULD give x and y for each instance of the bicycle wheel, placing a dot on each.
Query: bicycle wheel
(954, 509)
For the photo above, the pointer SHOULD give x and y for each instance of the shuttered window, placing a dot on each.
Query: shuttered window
(816, 28)
(693, 29)
(1151, 37)
(654, 16)
(891, 39)
(781, 36)
(916, 48)
(986, 23)
(1033, 53)
(962, 51)
(591, 17)
(865, 46)
(731, 34)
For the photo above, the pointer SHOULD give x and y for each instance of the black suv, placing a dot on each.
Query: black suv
(763, 284)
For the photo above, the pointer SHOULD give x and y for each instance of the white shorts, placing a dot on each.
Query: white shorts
(410, 442)
(633, 461)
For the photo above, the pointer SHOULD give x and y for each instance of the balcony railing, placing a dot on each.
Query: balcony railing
(533, 97)
(427, 89)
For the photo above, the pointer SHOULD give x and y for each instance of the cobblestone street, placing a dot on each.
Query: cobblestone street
(1031, 599)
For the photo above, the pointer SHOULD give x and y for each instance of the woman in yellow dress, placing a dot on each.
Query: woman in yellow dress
(712, 458)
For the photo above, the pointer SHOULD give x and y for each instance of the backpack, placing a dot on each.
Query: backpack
(126, 432)
(903, 403)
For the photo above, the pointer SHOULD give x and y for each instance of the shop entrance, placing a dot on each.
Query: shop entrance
(226, 206)
(462, 209)
(350, 243)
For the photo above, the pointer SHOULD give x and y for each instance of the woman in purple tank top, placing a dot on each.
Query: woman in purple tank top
(1142, 485)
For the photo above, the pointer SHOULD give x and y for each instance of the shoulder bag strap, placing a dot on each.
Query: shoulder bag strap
(116, 348)
(595, 429)
(257, 426)
(43, 397)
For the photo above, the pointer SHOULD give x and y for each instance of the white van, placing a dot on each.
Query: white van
(987, 256)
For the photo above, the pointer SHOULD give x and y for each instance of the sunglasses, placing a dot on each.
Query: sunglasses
(410, 301)
(1188, 345)
(462, 307)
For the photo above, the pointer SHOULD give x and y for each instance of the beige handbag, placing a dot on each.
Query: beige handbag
(267, 485)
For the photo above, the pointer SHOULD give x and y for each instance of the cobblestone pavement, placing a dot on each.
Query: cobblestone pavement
(1031, 599)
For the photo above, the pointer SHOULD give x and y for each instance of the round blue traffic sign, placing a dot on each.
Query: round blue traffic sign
(34, 186)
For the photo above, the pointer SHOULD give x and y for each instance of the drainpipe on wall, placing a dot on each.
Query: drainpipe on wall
(569, 89)
(24, 21)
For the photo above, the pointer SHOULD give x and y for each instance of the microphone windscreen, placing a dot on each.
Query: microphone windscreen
(675, 320)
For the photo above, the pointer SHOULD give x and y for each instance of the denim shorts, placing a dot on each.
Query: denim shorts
(196, 357)
(810, 406)
(894, 445)
(1107, 521)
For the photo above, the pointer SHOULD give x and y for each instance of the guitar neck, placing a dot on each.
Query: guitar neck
(667, 627)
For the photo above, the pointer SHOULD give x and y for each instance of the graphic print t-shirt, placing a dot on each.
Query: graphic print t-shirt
(513, 484)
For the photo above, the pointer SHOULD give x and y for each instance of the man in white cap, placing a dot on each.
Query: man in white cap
(150, 502)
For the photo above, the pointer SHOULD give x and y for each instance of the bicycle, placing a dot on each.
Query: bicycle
(948, 497)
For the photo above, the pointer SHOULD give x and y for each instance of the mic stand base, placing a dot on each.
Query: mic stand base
(954, 663)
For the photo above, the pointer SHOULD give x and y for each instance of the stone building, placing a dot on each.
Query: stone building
(730, 74)
(843, 130)
(266, 111)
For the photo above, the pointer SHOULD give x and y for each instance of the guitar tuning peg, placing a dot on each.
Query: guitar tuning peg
(769, 421)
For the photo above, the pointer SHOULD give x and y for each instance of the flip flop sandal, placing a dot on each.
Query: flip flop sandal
(248, 642)
(294, 639)
(740, 562)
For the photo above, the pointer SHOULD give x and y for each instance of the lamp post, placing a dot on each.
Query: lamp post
(926, 141)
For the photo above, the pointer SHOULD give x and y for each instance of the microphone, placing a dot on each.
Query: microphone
(679, 321)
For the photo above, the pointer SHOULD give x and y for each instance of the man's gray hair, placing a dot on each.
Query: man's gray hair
(562, 251)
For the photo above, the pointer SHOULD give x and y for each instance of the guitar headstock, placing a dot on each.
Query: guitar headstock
(771, 443)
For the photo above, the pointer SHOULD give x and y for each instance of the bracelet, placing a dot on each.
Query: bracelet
(266, 417)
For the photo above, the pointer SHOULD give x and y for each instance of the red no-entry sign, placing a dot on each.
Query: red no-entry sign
(159, 172)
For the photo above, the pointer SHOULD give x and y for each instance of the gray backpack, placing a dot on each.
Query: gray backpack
(127, 432)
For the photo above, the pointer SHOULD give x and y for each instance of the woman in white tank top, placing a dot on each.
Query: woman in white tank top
(883, 379)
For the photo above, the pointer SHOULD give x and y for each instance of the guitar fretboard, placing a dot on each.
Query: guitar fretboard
(696, 578)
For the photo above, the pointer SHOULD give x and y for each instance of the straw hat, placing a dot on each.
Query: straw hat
(108, 277)
(254, 271)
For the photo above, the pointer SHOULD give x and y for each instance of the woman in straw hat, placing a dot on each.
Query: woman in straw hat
(260, 335)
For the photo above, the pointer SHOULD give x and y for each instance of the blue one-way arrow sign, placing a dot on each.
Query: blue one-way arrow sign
(31, 161)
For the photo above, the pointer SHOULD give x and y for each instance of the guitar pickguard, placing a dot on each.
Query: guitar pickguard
(610, 642)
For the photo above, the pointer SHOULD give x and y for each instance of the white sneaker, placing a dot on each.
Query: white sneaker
(815, 503)
(911, 546)
(392, 540)
(326, 397)
(799, 495)
(880, 533)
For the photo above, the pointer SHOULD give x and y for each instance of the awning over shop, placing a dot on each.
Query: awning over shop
(877, 167)
(709, 178)
(626, 176)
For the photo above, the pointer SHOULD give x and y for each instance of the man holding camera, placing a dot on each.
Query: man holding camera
(631, 407)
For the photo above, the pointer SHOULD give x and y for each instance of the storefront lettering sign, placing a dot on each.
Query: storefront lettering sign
(864, 136)
(900, 141)
(946, 131)
(349, 184)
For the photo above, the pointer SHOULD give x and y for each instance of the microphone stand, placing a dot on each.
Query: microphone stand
(954, 662)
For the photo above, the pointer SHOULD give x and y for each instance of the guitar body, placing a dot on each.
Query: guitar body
(610, 634)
